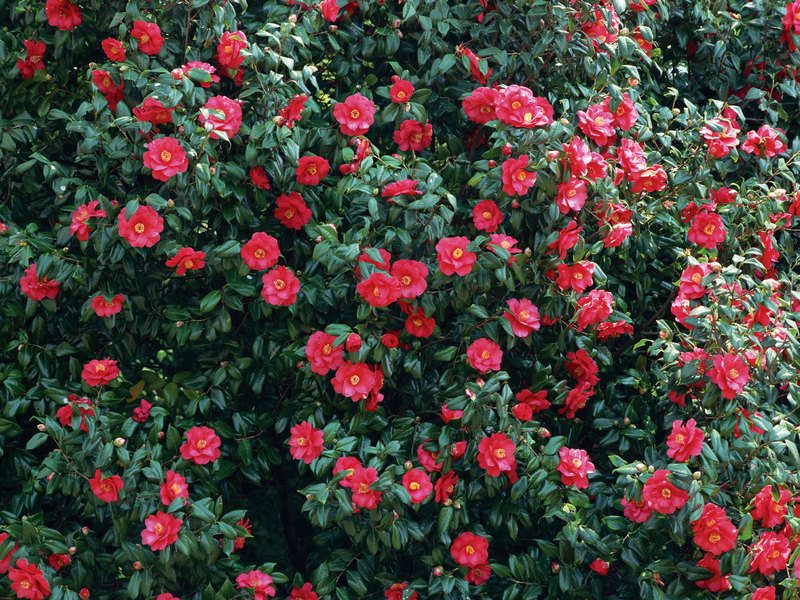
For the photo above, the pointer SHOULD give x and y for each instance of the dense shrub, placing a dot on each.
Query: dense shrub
(481, 298)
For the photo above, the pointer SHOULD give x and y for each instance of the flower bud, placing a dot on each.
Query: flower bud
(334, 28)
(552, 155)
(119, 442)
(564, 121)
(179, 324)
(456, 504)
(292, 18)
(651, 469)
(84, 594)
(353, 342)
(161, 435)
(641, 467)
(506, 149)
(41, 427)
(676, 112)
(514, 203)
(72, 550)
(278, 120)
(3, 229)
(448, 502)
(49, 477)
(176, 74)
(396, 23)
(696, 475)
(85, 530)
(633, 82)
(408, 465)
(555, 567)
(137, 565)
(318, 239)
(437, 571)
(543, 432)
(309, 496)
(491, 164)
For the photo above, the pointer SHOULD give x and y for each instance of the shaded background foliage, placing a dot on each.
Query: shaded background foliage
(205, 349)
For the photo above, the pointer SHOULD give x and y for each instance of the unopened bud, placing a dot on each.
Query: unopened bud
(334, 28)
(641, 467)
(564, 121)
(491, 164)
(85, 530)
(41, 427)
(72, 550)
(651, 469)
(49, 477)
(555, 567)
(552, 155)
(179, 324)
(514, 203)
(506, 149)
(84, 594)
(676, 112)
(396, 23)
(456, 504)
(137, 565)
(119, 442)
(278, 120)
(448, 502)
(437, 571)
(292, 18)
(696, 475)
(543, 432)
(408, 465)
(633, 82)
(161, 435)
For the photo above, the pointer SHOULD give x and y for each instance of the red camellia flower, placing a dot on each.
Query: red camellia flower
(142, 412)
(582, 367)
(363, 495)
(114, 49)
(636, 510)
(82, 214)
(713, 532)
(625, 114)
(229, 50)
(322, 355)
(401, 91)
(571, 195)
(379, 289)
(395, 592)
(63, 14)
(523, 317)
(486, 216)
(496, 454)
(474, 64)
(650, 179)
(707, 230)
(160, 530)
(453, 256)
(418, 325)
(406, 187)
(389, 340)
(721, 134)
(770, 553)
(6, 560)
(567, 238)
(764, 593)
(58, 561)
(152, 111)
(445, 486)
(685, 441)
(306, 442)
(506, 242)
(261, 251)
(35, 288)
(149, 36)
(574, 466)
(484, 355)
(143, 229)
(187, 259)
(201, 445)
(28, 581)
(280, 287)
(517, 106)
(730, 373)
(479, 106)
(292, 211)
(418, 485)
(764, 142)
(769, 510)
(537, 401)
(717, 583)
(349, 464)
(174, 487)
(355, 115)
(479, 575)
(413, 135)
(66, 412)
(257, 581)
(220, 114)
(311, 170)
(293, 111)
(258, 177)
(106, 488)
(516, 180)
(410, 274)
(166, 157)
(33, 59)
(599, 566)
(303, 593)
(597, 124)
(470, 550)
(594, 307)
(354, 380)
(578, 276)
(100, 372)
(661, 496)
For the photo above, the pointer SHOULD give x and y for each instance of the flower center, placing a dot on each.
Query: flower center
(417, 137)
(774, 554)
(189, 264)
(101, 368)
(201, 444)
(302, 441)
(487, 214)
(35, 59)
(376, 292)
(500, 453)
(354, 114)
(505, 244)
(166, 156)
(139, 228)
(733, 373)
(363, 488)
(159, 529)
(528, 117)
(485, 354)
(107, 82)
(620, 111)
(666, 493)
(25, 584)
(279, 284)
(524, 315)
(521, 176)
(486, 109)
(714, 538)
(311, 170)
(599, 121)
(405, 280)
(576, 462)
(108, 304)
(259, 253)
(413, 485)
(571, 193)
(469, 550)
(679, 438)
(326, 349)
(354, 379)
(176, 489)
(145, 38)
(709, 229)
(417, 322)
(401, 94)
(697, 277)
(288, 213)
(515, 104)
(105, 486)
(458, 253)
(577, 276)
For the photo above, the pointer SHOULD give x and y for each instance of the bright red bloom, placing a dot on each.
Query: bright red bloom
(617, 234)
(143, 229)
(66, 413)
(100, 372)
(721, 134)
(506, 242)
(229, 50)
(594, 307)
(428, 458)
(599, 566)
(106, 488)
(385, 263)
(470, 550)
(63, 14)
(303, 593)
(571, 195)
(496, 454)
(306, 442)
(82, 214)
(196, 64)
(713, 532)
(311, 170)
(567, 238)
(486, 216)
(363, 495)
(517, 106)
(574, 466)
(114, 49)
(349, 464)
(536, 400)
(691, 284)
(390, 340)
(258, 177)
(152, 111)
(28, 581)
(764, 142)
(33, 59)
(166, 157)
(354, 380)
(717, 583)
(578, 276)
(636, 510)
(685, 441)
(612, 329)
(661, 495)
(292, 211)
(35, 288)
(453, 256)
(187, 259)
(395, 592)
(576, 399)
(707, 230)
(261, 251)
(479, 575)
(771, 512)
(406, 187)
(6, 560)
(257, 581)
(418, 485)
(58, 561)
(523, 317)
(764, 593)
(353, 343)
(410, 274)
(149, 36)
(479, 106)
(220, 114)
(582, 367)
(413, 135)
(142, 412)
(379, 289)
(730, 373)
(418, 325)
(597, 124)
(160, 530)
(516, 180)
(770, 553)
(201, 445)
(164, 596)
(625, 114)
(322, 355)
(474, 64)
(401, 91)
(484, 355)
(450, 415)
(598, 29)
(293, 111)
(445, 486)
(355, 115)
(174, 487)
(280, 287)
(650, 179)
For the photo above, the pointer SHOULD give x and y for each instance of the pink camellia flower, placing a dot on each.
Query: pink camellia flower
(401, 91)
(625, 114)
(661, 495)
(418, 485)
(764, 593)
(261, 251)
(766, 508)
(363, 495)
(303, 593)
(311, 170)
(582, 367)
(160, 530)
(496, 454)
(166, 157)
(713, 532)
(523, 317)
(83, 213)
(574, 466)
(142, 412)
(152, 111)
(518, 107)
(730, 373)
(484, 355)
(229, 50)
(567, 238)
(413, 135)
(354, 380)
(770, 553)
(106, 488)
(410, 274)
(691, 284)
(257, 581)
(280, 287)
(107, 308)
(100, 372)
(578, 276)
(649, 179)
(28, 581)
(479, 106)
(187, 259)
(407, 187)
(306, 442)
(636, 510)
(764, 142)
(721, 134)
(571, 195)
(516, 179)
(418, 325)
(707, 230)
(355, 115)
(149, 37)
(143, 229)
(453, 256)
(597, 124)
(292, 211)
(486, 216)
(379, 289)
(470, 550)
(594, 307)
(35, 288)
(196, 64)
(201, 445)
(717, 583)
(685, 441)
(322, 355)
(220, 114)
(174, 487)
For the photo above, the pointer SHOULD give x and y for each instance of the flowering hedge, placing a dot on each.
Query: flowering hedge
(399, 299)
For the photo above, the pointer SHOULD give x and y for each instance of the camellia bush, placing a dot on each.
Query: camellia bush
(406, 299)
